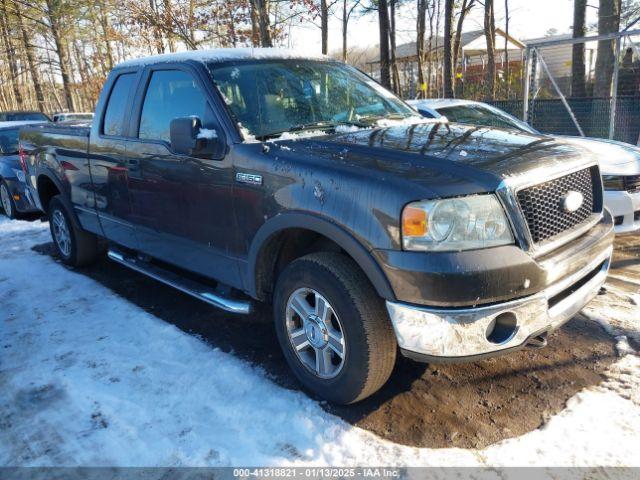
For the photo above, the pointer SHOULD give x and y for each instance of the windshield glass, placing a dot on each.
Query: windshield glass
(9, 141)
(480, 115)
(275, 96)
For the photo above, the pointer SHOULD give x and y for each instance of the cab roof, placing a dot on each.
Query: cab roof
(223, 55)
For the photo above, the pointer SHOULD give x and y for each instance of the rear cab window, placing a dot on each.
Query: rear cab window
(117, 104)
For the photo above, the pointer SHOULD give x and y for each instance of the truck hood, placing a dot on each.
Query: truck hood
(447, 159)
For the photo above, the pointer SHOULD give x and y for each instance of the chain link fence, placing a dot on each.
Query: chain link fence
(587, 87)
(560, 85)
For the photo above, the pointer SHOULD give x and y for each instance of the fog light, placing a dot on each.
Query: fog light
(502, 328)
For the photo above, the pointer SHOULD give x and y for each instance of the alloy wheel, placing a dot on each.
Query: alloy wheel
(315, 332)
(61, 233)
(6, 200)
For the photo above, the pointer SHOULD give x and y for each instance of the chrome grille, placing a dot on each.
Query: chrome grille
(632, 183)
(541, 204)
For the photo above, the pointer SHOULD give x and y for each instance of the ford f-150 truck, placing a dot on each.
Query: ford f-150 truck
(243, 176)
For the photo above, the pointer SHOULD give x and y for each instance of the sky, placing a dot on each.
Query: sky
(528, 19)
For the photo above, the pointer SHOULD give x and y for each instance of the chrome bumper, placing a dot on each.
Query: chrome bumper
(458, 333)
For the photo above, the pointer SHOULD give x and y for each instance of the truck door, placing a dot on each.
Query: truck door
(182, 205)
(108, 162)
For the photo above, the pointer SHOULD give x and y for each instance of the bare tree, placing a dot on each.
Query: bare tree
(466, 6)
(347, 11)
(432, 13)
(578, 87)
(324, 26)
(447, 75)
(420, 31)
(438, 15)
(31, 58)
(383, 25)
(155, 26)
(506, 49)
(608, 22)
(10, 52)
(395, 74)
(490, 36)
(54, 12)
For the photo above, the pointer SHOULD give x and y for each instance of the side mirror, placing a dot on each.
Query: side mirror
(189, 138)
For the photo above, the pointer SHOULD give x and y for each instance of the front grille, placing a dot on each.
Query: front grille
(632, 183)
(542, 208)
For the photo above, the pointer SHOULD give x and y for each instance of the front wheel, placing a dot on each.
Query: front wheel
(333, 328)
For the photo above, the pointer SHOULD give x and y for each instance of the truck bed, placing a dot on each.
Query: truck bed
(79, 130)
(58, 140)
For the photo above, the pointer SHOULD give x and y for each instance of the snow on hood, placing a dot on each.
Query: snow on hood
(615, 158)
(382, 123)
(224, 54)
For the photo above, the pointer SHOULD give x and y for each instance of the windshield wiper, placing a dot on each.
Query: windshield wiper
(322, 125)
(390, 116)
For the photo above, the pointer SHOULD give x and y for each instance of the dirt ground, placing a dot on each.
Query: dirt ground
(464, 405)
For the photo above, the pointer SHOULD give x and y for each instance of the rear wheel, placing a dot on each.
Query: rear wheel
(74, 246)
(333, 328)
(8, 205)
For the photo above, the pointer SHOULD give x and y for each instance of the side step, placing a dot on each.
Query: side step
(188, 286)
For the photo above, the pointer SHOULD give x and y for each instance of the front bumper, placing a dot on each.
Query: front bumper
(458, 334)
(625, 208)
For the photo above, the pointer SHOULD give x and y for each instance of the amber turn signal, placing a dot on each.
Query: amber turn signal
(414, 222)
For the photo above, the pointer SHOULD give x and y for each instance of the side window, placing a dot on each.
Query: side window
(116, 107)
(170, 94)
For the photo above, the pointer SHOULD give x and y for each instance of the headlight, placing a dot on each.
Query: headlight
(613, 182)
(465, 223)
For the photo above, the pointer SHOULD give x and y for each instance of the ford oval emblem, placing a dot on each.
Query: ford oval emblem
(572, 201)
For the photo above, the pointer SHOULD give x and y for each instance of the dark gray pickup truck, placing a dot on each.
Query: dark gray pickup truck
(260, 175)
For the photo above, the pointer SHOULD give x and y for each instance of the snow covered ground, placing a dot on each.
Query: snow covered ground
(86, 378)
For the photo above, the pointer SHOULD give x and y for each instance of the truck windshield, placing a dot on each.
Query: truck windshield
(271, 97)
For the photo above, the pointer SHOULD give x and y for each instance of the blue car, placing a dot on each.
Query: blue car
(13, 196)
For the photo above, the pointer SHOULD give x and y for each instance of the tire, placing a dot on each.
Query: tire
(74, 246)
(6, 201)
(357, 324)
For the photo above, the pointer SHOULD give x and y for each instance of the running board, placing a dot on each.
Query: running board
(190, 287)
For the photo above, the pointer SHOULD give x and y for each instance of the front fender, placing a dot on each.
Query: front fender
(6, 171)
(361, 255)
